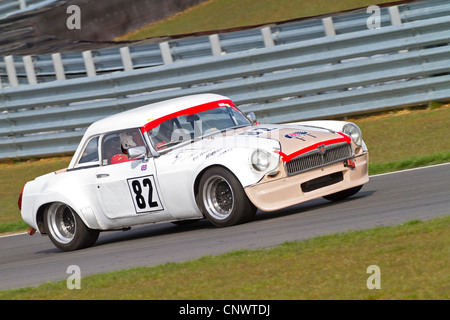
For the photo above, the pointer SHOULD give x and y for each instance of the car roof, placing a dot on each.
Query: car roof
(138, 117)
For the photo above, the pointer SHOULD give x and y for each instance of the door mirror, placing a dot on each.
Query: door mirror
(252, 117)
(137, 152)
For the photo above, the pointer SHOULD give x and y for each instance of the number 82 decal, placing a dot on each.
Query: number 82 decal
(144, 194)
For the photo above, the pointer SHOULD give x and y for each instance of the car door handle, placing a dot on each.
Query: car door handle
(102, 175)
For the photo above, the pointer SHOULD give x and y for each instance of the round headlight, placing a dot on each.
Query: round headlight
(260, 160)
(353, 132)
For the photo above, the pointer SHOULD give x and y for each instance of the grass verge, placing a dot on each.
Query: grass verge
(413, 259)
(415, 162)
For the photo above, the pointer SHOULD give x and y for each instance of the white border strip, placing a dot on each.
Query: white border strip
(413, 169)
(12, 235)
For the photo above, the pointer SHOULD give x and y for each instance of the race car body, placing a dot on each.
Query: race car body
(190, 158)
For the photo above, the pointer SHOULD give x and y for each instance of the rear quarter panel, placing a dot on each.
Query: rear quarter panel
(74, 188)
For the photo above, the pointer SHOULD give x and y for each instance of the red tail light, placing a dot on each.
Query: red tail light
(19, 201)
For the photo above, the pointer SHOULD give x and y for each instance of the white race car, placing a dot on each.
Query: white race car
(190, 158)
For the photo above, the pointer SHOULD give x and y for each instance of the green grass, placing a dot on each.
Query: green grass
(396, 140)
(225, 14)
(406, 138)
(406, 134)
(410, 163)
(413, 258)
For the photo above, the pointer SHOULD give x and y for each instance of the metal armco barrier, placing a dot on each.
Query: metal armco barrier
(42, 68)
(8, 7)
(346, 74)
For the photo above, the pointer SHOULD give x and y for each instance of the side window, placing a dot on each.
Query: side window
(110, 148)
(90, 153)
(116, 144)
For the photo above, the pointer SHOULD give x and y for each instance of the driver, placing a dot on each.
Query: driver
(128, 139)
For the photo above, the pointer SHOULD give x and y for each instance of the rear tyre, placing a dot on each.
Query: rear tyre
(341, 195)
(65, 228)
(222, 199)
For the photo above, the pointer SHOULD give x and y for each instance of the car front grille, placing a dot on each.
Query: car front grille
(317, 159)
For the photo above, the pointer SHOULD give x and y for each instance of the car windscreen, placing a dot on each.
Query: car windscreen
(186, 127)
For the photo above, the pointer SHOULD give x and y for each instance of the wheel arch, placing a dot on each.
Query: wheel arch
(246, 209)
(196, 185)
(236, 162)
(88, 219)
(199, 176)
(40, 217)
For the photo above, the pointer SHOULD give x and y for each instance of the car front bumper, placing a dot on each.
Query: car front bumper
(270, 195)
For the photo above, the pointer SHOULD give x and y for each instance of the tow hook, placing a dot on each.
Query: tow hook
(31, 231)
(349, 164)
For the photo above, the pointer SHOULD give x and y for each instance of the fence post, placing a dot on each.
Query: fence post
(11, 71)
(394, 13)
(58, 66)
(215, 45)
(328, 26)
(29, 69)
(165, 52)
(267, 37)
(126, 58)
(89, 63)
(396, 20)
(22, 4)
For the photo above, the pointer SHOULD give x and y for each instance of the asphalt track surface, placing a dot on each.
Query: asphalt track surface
(386, 200)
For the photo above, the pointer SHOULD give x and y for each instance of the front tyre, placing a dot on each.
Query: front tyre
(223, 200)
(65, 228)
